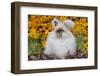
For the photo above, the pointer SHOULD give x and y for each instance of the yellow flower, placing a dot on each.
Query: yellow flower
(45, 33)
(62, 18)
(30, 34)
(34, 33)
(44, 43)
(29, 24)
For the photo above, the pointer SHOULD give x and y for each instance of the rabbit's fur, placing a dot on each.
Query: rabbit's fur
(60, 41)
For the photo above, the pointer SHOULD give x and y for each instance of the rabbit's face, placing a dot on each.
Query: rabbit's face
(59, 27)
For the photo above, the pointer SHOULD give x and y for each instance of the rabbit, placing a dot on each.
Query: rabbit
(60, 41)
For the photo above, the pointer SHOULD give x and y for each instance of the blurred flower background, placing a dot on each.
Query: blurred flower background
(39, 26)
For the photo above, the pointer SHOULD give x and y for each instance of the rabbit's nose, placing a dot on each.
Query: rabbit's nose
(60, 30)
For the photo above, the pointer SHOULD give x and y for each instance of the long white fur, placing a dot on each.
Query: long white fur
(60, 47)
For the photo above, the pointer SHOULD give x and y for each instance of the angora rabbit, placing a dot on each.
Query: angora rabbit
(60, 41)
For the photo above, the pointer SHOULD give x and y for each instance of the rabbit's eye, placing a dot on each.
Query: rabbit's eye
(55, 22)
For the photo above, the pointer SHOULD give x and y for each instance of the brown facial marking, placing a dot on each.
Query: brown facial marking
(59, 32)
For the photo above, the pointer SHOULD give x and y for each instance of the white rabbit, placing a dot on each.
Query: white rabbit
(61, 42)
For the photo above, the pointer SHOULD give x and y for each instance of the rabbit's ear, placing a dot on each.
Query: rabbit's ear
(55, 22)
(69, 23)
